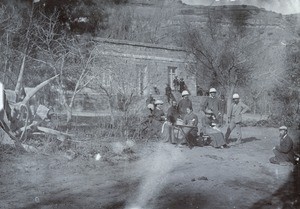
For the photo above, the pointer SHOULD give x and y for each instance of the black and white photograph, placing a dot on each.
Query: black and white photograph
(149, 104)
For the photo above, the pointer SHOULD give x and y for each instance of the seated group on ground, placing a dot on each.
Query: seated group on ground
(179, 125)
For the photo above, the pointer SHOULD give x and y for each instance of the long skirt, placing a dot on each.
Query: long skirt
(217, 137)
(167, 133)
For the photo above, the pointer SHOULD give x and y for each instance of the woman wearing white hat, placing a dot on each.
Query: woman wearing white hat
(213, 103)
(209, 129)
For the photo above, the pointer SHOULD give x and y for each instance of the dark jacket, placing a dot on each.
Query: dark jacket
(285, 147)
(158, 114)
(182, 105)
(213, 104)
(172, 114)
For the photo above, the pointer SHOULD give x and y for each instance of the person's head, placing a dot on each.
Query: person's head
(222, 97)
(174, 103)
(188, 110)
(212, 92)
(236, 98)
(282, 131)
(185, 94)
(158, 103)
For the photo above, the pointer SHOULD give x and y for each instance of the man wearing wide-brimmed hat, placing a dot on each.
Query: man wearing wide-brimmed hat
(235, 113)
(184, 103)
(284, 151)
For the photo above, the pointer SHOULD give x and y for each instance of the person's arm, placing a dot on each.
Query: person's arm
(195, 122)
(245, 108)
(205, 104)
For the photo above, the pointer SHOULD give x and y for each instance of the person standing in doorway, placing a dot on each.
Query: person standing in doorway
(235, 118)
(176, 83)
(182, 85)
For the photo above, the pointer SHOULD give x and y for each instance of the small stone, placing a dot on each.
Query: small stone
(203, 178)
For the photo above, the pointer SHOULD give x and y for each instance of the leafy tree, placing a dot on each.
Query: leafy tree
(223, 52)
(287, 90)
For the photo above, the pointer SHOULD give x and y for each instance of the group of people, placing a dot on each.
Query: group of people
(179, 84)
(180, 124)
(181, 115)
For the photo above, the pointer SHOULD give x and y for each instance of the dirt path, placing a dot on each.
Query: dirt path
(163, 177)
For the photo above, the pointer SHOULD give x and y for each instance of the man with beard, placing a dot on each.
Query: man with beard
(172, 116)
(284, 151)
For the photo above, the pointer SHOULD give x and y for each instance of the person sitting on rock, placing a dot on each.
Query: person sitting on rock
(284, 151)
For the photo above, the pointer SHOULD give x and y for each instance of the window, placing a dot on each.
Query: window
(172, 72)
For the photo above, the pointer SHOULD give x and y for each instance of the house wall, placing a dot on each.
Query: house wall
(148, 64)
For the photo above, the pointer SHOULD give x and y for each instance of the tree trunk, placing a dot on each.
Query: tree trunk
(20, 79)
(229, 101)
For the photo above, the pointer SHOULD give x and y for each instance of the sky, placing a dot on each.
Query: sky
(279, 6)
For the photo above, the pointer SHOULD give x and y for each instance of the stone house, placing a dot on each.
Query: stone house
(141, 66)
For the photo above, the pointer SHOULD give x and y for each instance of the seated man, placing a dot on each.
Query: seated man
(284, 151)
(208, 128)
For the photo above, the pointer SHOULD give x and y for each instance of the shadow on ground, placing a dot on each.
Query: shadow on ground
(286, 197)
(244, 140)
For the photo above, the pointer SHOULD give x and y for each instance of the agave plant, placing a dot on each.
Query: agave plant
(16, 118)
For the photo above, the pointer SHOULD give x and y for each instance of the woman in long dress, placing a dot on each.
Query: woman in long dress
(216, 136)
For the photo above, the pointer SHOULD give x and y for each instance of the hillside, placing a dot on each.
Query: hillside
(166, 19)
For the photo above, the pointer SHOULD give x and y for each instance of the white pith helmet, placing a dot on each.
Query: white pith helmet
(150, 106)
(212, 90)
(283, 128)
(236, 96)
(158, 102)
(184, 93)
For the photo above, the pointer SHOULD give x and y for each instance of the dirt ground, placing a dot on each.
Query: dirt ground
(150, 175)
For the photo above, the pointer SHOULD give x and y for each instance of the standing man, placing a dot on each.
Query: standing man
(222, 108)
(184, 103)
(284, 151)
(168, 93)
(235, 118)
(212, 103)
